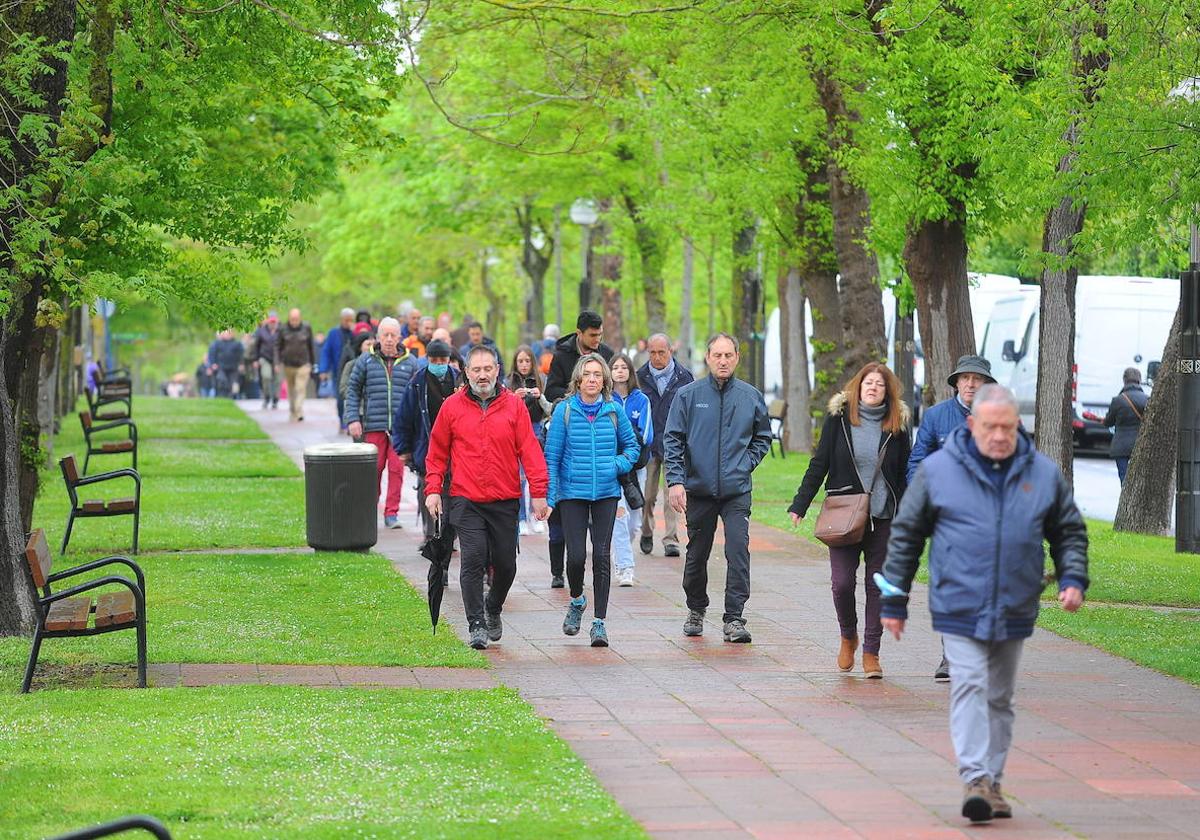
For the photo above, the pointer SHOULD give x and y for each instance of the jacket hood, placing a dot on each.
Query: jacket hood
(837, 405)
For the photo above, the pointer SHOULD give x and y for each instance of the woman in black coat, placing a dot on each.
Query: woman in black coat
(865, 439)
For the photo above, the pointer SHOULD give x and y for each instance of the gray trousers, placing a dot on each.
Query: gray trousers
(656, 474)
(702, 515)
(982, 678)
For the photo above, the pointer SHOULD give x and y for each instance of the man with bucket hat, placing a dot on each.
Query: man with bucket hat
(969, 375)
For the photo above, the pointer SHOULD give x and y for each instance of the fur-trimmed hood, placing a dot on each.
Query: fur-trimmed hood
(837, 405)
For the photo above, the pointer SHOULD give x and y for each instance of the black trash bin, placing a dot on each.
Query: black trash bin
(340, 496)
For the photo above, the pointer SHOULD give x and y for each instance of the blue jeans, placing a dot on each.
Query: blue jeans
(1122, 468)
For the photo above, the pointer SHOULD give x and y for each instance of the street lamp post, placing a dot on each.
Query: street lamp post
(585, 214)
(1187, 468)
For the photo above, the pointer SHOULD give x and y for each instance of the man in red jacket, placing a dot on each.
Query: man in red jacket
(484, 431)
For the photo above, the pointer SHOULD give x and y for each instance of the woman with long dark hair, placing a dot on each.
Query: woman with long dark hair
(637, 408)
(864, 441)
(527, 382)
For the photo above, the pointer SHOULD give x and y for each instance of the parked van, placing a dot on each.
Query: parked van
(1120, 322)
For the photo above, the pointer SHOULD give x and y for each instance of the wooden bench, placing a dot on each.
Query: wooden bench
(98, 399)
(128, 506)
(67, 612)
(107, 447)
(777, 416)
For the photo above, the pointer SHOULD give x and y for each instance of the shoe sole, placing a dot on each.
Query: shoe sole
(738, 641)
(599, 642)
(479, 645)
(625, 583)
(977, 809)
(693, 633)
(941, 679)
(874, 675)
(570, 631)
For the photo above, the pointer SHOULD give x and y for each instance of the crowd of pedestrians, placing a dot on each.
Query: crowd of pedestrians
(586, 443)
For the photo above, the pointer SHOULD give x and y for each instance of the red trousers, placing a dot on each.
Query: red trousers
(395, 469)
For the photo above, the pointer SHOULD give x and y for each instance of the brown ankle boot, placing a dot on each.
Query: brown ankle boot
(845, 659)
(871, 666)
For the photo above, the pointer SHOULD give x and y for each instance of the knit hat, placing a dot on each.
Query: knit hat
(439, 349)
(971, 364)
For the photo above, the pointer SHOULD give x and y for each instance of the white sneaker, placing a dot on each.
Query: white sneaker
(523, 528)
(539, 527)
(625, 577)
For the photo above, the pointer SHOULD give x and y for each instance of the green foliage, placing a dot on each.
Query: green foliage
(295, 762)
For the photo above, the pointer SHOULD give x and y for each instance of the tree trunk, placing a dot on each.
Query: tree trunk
(797, 426)
(744, 294)
(1064, 222)
(935, 256)
(607, 263)
(52, 23)
(536, 262)
(651, 256)
(862, 296)
(1056, 338)
(685, 303)
(1148, 495)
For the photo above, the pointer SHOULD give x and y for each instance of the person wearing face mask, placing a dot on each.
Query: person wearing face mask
(864, 440)
(415, 415)
(484, 431)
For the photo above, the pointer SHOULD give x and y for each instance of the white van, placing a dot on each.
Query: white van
(1120, 322)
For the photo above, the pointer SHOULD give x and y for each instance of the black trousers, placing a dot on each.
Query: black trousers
(702, 514)
(578, 517)
(487, 536)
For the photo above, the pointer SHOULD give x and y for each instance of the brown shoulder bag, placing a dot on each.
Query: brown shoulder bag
(843, 519)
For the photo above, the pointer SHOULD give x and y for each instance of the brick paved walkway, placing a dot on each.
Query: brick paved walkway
(700, 739)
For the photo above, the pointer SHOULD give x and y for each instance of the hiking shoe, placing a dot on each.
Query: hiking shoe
(670, 551)
(942, 674)
(625, 577)
(523, 528)
(599, 634)
(872, 670)
(574, 616)
(495, 627)
(977, 806)
(647, 544)
(735, 631)
(1000, 807)
(694, 626)
(557, 582)
(479, 638)
(845, 657)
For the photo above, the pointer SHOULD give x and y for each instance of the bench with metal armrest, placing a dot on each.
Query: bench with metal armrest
(107, 447)
(125, 506)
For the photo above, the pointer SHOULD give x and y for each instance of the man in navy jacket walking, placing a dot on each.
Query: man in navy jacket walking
(660, 380)
(988, 499)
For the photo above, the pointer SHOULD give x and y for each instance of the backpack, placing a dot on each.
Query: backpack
(544, 361)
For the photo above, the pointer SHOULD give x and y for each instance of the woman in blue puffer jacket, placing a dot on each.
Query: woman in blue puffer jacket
(590, 443)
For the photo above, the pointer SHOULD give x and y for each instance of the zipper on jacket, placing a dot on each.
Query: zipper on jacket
(720, 437)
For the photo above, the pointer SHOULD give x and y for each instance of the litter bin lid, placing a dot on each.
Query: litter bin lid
(340, 452)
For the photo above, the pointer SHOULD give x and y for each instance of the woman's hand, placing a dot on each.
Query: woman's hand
(796, 518)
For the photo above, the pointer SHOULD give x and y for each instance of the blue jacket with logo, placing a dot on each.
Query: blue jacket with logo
(937, 423)
(637, 409)
(582, 454)
(715, 437)
(986, 560)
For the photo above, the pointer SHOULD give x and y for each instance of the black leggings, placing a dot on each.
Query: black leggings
(578, 515)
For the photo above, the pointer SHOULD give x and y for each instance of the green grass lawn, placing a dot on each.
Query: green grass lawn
(294, 762)
(321, 608)
(162, 417)
(1133, 569)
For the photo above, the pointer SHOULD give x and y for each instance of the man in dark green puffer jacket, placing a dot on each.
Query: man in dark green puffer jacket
(376, 387)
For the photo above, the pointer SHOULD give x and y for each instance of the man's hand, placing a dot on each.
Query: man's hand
(677, 496)
(796, 518)
(355, 429)
(1071, 598)
(321, 377)
(541, 511)
(895, 626)
(406, 457)
(433, 503)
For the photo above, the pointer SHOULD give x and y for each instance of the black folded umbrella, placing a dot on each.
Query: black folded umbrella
(431, 550)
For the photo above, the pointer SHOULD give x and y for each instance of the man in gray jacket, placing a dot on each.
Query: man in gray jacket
(717, 433)
(988, 499)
